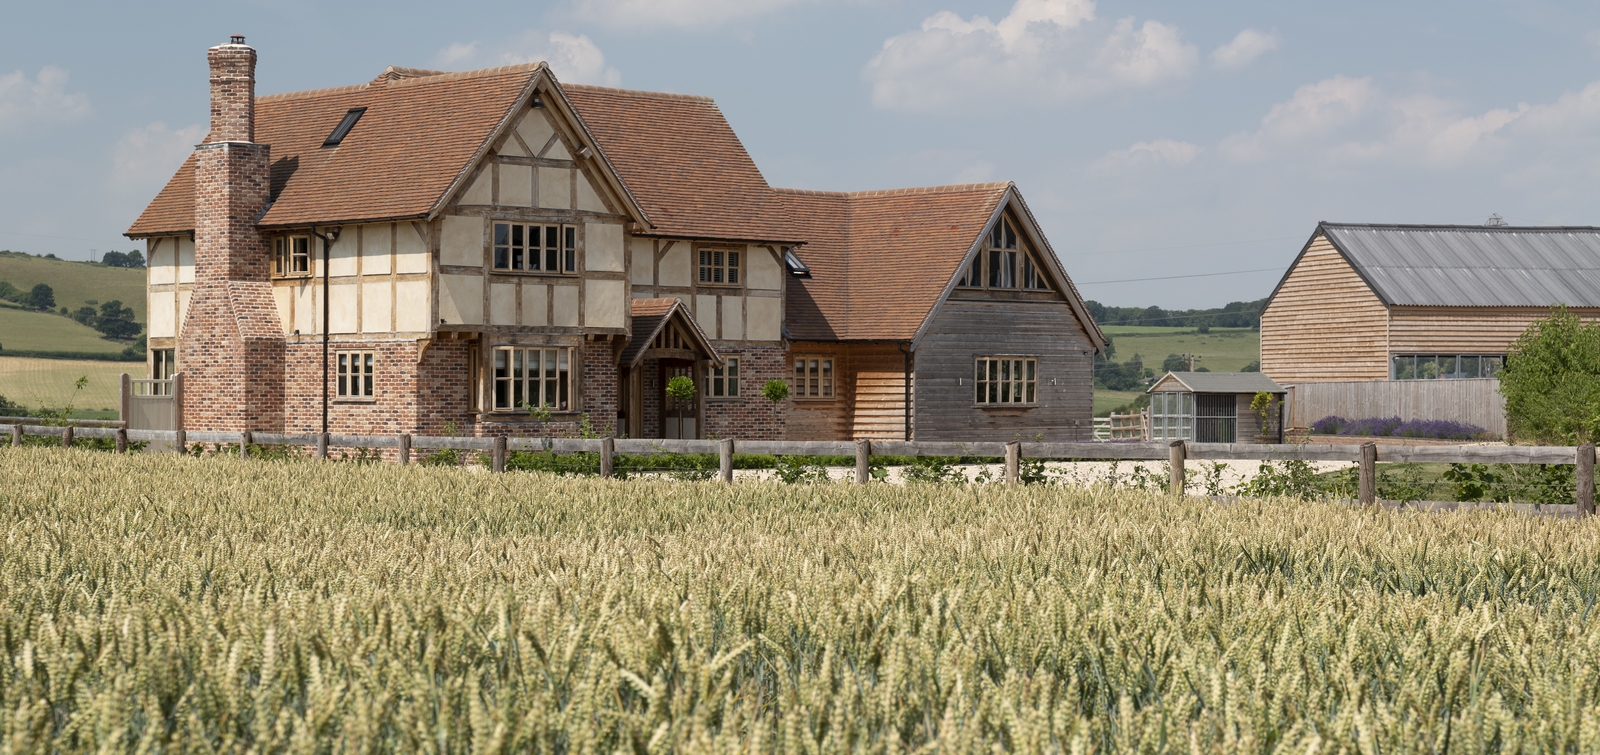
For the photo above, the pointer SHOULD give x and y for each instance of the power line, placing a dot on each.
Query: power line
(64, 238)
(1186, 246)
(1175, 277)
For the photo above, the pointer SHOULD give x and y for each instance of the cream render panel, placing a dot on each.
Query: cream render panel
(535, 129)
(765, 274)
(732, 318)
(516, 185)
(162, 261)
(306, 312)
(411, 253)
(462, 242)
(644, 261)
(765, 319)
(535, 304)
(603, 247)
(375, 249)
(480, 191)
(376, 307)
(705, 313)
(557, 151)
(676, 266)
(183, 309)
(502, 304)
(342, 307)
(283, 296)
(566, 305)
(162, 317)
(461, 299)
(604, 304)
(412, 309)
(511, 148)
(588, 198)
(555, 188)
(185, 261)
(342, 256)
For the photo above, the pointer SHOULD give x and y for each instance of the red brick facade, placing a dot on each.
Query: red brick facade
(750, 415)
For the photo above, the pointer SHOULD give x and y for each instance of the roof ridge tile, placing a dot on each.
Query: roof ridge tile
(639, 92)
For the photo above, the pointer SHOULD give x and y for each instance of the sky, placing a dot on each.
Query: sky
(1175, 154)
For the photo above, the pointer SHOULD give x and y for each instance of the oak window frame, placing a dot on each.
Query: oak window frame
(1003, 381)
(551, 383)
(291, 257)
(722, 383)
(815, 378)
(1004, 262)
(537, 248)
(719, 266)
(355, 376)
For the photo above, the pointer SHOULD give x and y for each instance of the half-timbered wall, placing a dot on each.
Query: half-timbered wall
(1325, 323)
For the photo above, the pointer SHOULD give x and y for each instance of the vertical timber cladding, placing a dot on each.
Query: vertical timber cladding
(964, 329)
(1324, 323)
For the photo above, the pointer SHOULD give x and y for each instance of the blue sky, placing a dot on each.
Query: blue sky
(1152, 139)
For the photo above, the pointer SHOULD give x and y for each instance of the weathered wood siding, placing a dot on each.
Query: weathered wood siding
(965, 329)
(1476, 401)
(1464, 330)
(1324, 323)
(869, 394)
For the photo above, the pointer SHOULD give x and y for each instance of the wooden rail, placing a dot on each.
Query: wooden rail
(1176, 454)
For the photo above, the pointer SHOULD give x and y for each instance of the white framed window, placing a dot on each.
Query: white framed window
(723, 382)
(719, 266)
(1172, 416)
(813, 377)
(532, 377)
(291, 256)
(1006, 380)
(355, 370)
(536, 248)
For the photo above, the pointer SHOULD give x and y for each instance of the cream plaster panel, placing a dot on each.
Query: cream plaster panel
(558, 151)
(160, 306)
(763, 270)
(765, 319)
(555, 188)
(461, 299)
(185, 261)
(480, 190)
(644, 262)
(343, 306)
(342, 257)
(375, 249)
(462, 242)
(675, 266)
(411, 254)
(602, 247)
(511, 148)
(516, 185)
(588, 198)
(502, 304)
(412, 308)
(535, 129)
(377, 302)
(183, 309)
(566, 305)
(535, 304)
(283, 296)
(733, 318)
(604, 304)
(705, 313)
(306, 312)
(161, 262)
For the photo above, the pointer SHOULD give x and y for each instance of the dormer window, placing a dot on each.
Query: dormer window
(1004, 262)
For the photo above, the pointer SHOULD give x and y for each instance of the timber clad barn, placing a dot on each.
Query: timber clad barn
(430, 251)
(1421, 302)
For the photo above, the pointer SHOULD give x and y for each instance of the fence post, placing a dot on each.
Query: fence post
(405, 448)
(16, 435)
(1176, 454)
(66, 437)
(499, 456)
(1585, 470)
(125, 387)
(245, 439)
(608, 453)
(322, 446)
(180, 441)
(1013, 463)
(1369, 474)
(863, 461)
(122, 440)
(727, 459)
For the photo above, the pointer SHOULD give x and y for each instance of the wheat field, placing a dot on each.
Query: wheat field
(175, 604)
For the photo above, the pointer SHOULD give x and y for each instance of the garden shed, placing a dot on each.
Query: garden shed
(1215, 407)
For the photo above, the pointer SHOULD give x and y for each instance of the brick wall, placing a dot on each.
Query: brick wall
(750, 416)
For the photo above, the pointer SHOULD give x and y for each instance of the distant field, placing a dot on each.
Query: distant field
(1221, 350)
(48, 383)
(75, 283)
(1105, 401)
(22, 330)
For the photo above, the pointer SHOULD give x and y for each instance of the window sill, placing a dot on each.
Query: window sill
(1006, 406)
(814, 399)
(357, 401)
(531, 273)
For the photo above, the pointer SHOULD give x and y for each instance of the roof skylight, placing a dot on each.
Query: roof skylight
(343, 129)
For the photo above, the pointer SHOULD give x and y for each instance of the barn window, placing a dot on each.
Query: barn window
(1006, 380)
(536, 248)
(526, 378)
(1445, 366)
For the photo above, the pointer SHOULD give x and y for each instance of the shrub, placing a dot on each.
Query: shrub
(1394, 427)
(1329, 425)
(1551, 381)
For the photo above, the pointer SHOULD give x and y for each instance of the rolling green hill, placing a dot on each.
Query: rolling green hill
(1221, 350)
(74, 283)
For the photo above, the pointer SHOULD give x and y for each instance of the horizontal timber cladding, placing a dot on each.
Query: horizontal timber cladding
(1325, 323)
(962, 331)
(869, 393)
(1464, 330)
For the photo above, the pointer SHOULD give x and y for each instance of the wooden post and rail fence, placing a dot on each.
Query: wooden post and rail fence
(1176, 454)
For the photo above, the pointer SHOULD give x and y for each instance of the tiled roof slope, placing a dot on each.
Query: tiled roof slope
(880, 259)
(681, 160)
(418, 134)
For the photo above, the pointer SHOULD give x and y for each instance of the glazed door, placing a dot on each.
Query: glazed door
(678, 418)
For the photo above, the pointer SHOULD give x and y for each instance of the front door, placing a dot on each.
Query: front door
(678, 418)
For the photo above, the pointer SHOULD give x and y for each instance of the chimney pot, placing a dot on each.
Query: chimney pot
(236, 39)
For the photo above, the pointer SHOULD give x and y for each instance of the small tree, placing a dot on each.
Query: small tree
(775, 391)
(1551, 382)
(681, 390)
(41, 297)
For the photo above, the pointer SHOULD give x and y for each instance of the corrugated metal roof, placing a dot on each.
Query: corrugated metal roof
(1474, 266)
(1221, 382)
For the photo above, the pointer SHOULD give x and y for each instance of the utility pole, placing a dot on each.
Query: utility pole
(1189, 360)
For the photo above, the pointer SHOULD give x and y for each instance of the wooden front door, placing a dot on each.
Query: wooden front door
(679, 419)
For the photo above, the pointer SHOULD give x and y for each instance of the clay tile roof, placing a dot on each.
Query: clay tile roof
(880, 260)
(420, 131)
(683, 163)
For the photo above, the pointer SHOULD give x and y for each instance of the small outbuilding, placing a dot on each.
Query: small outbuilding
(1215, 407)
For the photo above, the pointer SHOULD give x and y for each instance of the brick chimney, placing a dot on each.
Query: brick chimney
(231, 347)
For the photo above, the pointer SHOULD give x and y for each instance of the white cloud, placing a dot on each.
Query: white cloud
(1245, 48)
(44, 99)
(145, 158)
(1042, 51)
(1159, 151)
(573, 57)
(682, 14)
